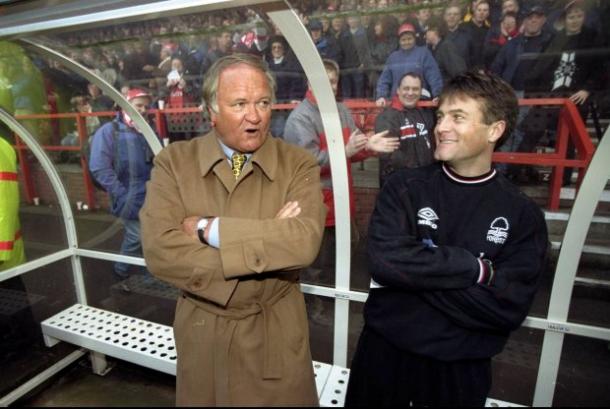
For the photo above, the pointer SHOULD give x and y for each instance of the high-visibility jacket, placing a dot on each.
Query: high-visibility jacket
(11, 243)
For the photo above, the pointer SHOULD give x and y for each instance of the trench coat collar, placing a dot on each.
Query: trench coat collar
(210, 153)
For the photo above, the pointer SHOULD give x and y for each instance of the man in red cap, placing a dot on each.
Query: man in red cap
(120, 162)
(408, 58)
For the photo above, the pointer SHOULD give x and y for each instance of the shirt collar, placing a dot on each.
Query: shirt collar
(468, 180)
(211, 152)
(229, 151)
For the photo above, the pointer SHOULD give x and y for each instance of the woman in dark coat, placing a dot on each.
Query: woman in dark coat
(382, 43)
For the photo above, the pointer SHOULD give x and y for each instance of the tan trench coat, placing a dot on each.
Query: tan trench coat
(241, 332)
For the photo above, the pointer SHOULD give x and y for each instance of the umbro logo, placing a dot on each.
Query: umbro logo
(427, 217)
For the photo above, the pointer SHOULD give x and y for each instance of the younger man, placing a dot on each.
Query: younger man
(455, 254)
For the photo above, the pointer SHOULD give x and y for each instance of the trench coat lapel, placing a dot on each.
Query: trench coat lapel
(212, 158)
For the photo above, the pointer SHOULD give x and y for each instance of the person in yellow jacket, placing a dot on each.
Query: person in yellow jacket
(11, 243)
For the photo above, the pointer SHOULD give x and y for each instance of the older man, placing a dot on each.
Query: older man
(412, 125)
(230, 218)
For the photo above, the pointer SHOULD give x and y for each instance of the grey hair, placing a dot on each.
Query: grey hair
(210, 84)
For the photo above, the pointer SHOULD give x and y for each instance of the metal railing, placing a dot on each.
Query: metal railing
(570, 128)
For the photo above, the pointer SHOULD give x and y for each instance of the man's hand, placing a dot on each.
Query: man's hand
(381, 143)
(580, 97)
(290, 209)
(357, 141)
(381, 102)
(189, 226)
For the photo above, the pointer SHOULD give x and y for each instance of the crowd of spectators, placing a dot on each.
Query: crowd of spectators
(374, 42)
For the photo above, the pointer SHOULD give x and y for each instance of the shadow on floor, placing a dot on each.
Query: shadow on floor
(125, 385)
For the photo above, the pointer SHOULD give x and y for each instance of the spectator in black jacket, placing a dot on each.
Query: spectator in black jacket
(356, 57)
(477, 28)
(449, 61)
(412, 125)
(455, 252)
(326, 45)
(453, 32)
(421, 22)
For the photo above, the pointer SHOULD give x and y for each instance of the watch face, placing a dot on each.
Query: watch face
(202, 224)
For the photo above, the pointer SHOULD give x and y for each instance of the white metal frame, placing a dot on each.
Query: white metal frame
(555, 325)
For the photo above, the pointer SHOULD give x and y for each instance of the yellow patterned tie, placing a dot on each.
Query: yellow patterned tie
(237, 163)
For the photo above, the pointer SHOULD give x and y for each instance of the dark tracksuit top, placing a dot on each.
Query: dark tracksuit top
(414, 127)
(426, 235)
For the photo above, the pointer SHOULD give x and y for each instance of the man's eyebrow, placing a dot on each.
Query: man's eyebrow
(453, 111)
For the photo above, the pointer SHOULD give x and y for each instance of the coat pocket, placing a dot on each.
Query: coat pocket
(292, 317)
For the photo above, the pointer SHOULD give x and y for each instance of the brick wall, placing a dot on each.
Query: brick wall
(365, 203)
(72, 178)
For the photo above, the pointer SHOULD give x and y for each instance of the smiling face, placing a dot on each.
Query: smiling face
(407, 40)
(409, 91)
(244, 108)
(463, 140)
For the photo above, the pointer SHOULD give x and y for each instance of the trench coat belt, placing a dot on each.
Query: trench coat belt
(272, 359)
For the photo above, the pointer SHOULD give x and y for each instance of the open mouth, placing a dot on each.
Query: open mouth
(252, 131)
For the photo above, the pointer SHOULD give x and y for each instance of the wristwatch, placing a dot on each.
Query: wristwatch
(201, 226)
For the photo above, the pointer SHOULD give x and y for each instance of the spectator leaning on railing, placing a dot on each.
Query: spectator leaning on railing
(408, 58)
(412, 125)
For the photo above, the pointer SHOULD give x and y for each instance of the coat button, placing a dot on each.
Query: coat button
(197, 283)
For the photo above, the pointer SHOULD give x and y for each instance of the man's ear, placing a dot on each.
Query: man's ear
(496, 130)
(213, 116)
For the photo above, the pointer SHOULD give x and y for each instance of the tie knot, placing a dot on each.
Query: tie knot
(237, 163)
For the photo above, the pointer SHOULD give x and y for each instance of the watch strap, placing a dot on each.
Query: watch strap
(201, 226)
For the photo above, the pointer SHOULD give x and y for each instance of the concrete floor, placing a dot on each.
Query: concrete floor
(584, 371)
(125, 385)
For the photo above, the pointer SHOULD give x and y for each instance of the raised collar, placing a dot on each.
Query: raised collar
(310, 97)
(210, 153)
(468, 180)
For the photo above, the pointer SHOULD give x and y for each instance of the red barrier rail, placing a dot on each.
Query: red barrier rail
(570, 127)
